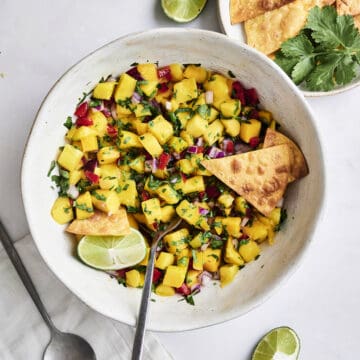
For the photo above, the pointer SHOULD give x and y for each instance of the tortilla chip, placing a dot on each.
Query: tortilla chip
(102, 224)
(259, 176)
(241, 10)
(268, 31)
(357, 21)
(348, 7)
(298, 166)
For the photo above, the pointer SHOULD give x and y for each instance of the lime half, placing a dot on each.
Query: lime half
(182, 10)
(281, 343)
(112, 252)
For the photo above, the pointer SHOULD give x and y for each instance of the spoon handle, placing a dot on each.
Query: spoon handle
(141, 322)
(24, 275)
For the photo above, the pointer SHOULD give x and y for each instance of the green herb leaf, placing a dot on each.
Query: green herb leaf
(325, 54)
(52, 167)
(68, 123)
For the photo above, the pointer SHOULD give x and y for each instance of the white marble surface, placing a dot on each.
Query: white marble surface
(40, 39)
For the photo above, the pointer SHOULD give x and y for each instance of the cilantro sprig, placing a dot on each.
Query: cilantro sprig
(325, 54)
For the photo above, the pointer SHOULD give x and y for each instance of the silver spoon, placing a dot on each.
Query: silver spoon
(62, 346)
(141, 321)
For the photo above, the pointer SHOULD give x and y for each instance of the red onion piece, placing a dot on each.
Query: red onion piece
(73, 192)
(91, 165)
(280, 203)
(203, 247)
(136, 98)
(205, 277)
(203, 211)
(244, 221)
(113, 112)
(215, 152)
(200, 141)
(192, 149)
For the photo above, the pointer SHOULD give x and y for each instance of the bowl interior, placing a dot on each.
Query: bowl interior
(257, 280)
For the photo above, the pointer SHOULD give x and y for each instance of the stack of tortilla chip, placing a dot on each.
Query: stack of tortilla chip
(261, 176)
(268, 23)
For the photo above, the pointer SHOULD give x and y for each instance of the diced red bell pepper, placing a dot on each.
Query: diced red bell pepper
(229, 148)
(164, 72)
(254, 114)
(163, 88)
(183, 290)
(145, 195)
(156, 276)
(164, 159)
(183, 177)
(251, 97)
(254, 142)
(92, 177)
(200, 149)
(121, 273)
(202, 194)
(238, 92)
(244, 237)
(134, 72)
(112, 130)
(106, 112)
(212, 192)
(83, 121)
(82, 109)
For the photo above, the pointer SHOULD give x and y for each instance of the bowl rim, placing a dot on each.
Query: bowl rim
(288, 270)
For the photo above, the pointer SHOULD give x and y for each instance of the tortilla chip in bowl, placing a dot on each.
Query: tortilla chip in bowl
(257, 280)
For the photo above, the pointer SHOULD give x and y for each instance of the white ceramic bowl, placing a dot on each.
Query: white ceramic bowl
(237, 32)
(258, 279)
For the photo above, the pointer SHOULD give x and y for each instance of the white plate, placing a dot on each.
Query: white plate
(237, 32)
(256, 281)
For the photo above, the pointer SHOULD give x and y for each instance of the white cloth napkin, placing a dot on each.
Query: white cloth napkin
(24, 335)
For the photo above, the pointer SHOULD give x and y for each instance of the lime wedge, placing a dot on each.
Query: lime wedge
(182, 10)
(281, 343)
(112, 252)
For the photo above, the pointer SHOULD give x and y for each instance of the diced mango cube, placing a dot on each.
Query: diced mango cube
(250, 130)
(177, 144)
(151, 144)
(226, 200)
(133, 278)
(174, 276)
(196, 126)
(149, 88)
(148, 71)
(152, 210)
(185, 90)
(109, 176)
(176, 71)
(187, 137)
(241, 205)
(70, 157)
(191, 214)
(138, 164)
(168, 194)
(167, 213)
(75, 176)
(161, 129)
(198, 258)
(227, 274)
(192, 278)
(164, 260)
(62, 211)
(89, 143)
(256, 231)
(200, 239)
(249, 251)
(163, 290)
(84, 207)
(231, 255)
(213, 132)
(104, 90)
(127, 193)
(128, 139)
(212, 259)
(99, 122)
(218, 85)
(230, 108)
(199, 73)
(232, 127)
(125, 88)
(106, 200)
(177, 241)
(108, 155)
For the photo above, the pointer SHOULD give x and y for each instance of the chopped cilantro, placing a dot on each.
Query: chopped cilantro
(68, 123)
